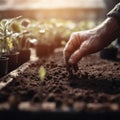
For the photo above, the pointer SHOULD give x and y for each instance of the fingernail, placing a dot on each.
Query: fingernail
(71, 61)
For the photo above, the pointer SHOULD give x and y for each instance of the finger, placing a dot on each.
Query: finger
(84, 50)
(72, 45)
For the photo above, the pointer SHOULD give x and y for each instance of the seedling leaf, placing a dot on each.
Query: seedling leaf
(42, 73)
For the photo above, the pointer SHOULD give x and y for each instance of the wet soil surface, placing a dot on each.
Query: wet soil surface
(94, 87)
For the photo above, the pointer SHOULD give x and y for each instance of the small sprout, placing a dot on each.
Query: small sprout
(75, 67)
(68, 68)
(42, 73)
(72, 69)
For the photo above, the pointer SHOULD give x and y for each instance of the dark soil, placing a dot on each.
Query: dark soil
(95, 87)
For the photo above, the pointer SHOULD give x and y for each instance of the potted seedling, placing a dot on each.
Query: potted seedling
(110, 52)
(24, 51)
(7, 47)
(48, 38)
(22, 40)
(44, 45)
(40, 46)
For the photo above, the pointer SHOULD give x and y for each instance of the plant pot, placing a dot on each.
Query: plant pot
(24, 56)
(13, 61)
(3, 66)
(109, 53)
(44, 50)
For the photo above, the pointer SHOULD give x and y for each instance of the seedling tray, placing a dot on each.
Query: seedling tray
(93, 93)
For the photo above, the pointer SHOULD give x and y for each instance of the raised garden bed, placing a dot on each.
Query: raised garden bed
(93, 92)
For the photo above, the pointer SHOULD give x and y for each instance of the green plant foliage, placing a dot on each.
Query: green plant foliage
(16, 27)
(18, 33)
(6, 33)
(42, 73)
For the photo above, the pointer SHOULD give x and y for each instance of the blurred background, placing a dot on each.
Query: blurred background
(47, 24)
(63, 9)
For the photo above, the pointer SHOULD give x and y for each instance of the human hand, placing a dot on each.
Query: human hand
(80, 44)
(86, 42)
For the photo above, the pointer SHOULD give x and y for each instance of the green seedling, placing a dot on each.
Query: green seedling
(42, 74)
(6, 34)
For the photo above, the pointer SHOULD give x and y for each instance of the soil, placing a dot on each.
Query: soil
(94, 87)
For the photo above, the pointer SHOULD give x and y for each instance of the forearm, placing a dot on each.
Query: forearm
(114, 22)
(107, 31)
(111, 26)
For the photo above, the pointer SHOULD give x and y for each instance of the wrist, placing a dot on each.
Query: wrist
(109, 30)
(112, 26)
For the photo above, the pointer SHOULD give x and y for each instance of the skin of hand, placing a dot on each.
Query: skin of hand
(90, 41)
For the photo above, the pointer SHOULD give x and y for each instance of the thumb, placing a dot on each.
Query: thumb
(79, 53)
